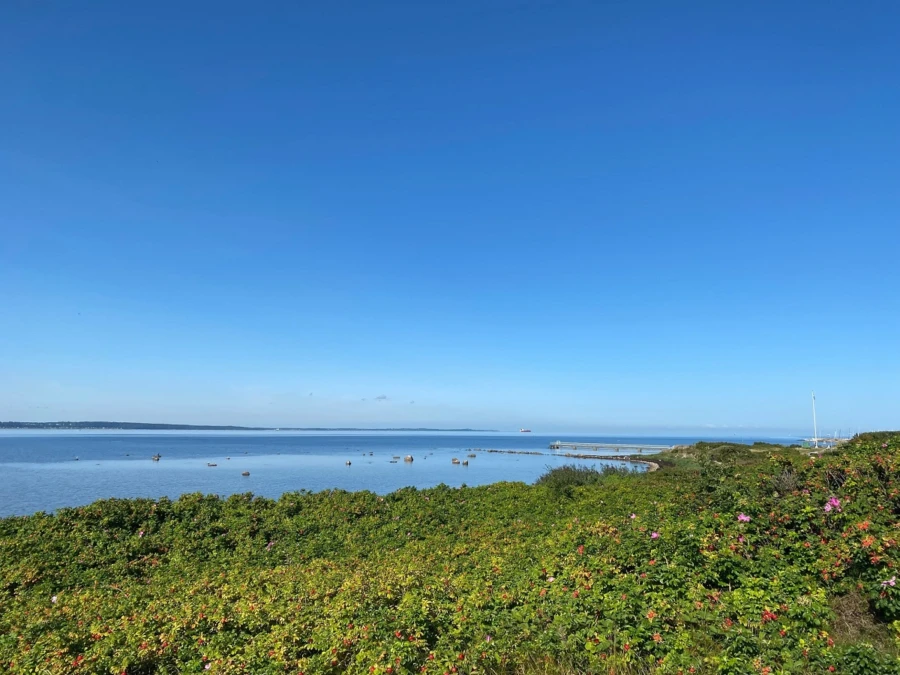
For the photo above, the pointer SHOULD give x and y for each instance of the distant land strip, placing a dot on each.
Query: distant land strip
(145, 426)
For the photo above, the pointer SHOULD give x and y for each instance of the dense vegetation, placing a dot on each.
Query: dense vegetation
(727, 561)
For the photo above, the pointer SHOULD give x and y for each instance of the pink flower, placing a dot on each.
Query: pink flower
(207, 666)
(833, 504)
(890, 582)
(270, 545)
(141, 533)
(53, 599)
(744, 518)
(741, 539)
(654, 535)
(633, 516)
(551, 579)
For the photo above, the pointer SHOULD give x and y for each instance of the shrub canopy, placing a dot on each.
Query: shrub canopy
(728, 560)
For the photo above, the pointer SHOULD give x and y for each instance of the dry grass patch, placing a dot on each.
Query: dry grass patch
(855, 624)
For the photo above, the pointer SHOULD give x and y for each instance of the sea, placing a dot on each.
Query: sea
(46, 470)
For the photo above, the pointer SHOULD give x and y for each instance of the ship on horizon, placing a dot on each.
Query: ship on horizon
(524, 431)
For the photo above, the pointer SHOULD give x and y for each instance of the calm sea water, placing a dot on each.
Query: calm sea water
(40, 471)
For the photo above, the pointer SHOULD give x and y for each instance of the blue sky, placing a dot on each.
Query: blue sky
(562, 215)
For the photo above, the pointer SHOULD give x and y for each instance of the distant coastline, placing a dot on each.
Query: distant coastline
(147, 426)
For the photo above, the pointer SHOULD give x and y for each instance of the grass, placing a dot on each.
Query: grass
(854, 624)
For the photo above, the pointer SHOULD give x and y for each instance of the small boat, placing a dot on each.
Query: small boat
(454, 461)
(471, 455)
(524, 431)
(211, 464)
(156, 457)
(465, 462)
(396, 457)
(245, 473)
(408, 458)
(347, 462)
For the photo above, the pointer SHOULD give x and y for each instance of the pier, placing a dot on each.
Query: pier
(596, 447)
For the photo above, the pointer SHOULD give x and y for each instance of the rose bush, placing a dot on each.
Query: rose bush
(697, 568)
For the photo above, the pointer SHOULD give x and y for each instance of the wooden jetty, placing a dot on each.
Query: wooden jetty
(597, 447)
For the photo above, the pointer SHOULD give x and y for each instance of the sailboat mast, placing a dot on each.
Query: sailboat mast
(815, 428)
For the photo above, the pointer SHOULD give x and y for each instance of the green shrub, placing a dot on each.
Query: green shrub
(866, 660)
(564, 478)
(690, 567)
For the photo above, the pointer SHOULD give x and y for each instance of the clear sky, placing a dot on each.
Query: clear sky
(631, 216)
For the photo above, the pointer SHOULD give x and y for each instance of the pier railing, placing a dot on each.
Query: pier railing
(597, 447)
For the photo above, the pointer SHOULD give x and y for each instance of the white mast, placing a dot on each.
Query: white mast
(815, 428)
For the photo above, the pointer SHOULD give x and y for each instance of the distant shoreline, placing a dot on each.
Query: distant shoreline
(146, 426)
